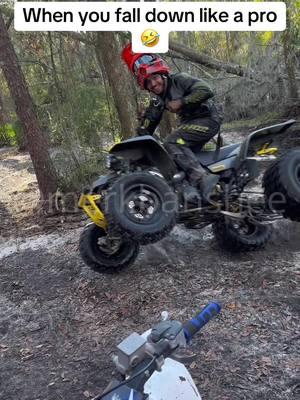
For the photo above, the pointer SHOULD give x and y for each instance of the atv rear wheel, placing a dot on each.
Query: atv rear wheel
(103, 254)
(282, 185)
(141, 206)
(237, 236)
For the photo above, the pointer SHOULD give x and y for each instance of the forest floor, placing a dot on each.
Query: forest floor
(60, 321)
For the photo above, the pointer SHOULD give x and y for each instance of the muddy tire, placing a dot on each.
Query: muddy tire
(141, 206)
(102, 258)
(282, 182)
(241, 236)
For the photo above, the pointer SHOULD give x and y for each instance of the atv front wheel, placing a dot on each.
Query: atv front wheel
(103, 254)
(142, 207)
(237, 236)
(282, 185)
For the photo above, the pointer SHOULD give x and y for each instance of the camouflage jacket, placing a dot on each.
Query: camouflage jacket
(193, 92)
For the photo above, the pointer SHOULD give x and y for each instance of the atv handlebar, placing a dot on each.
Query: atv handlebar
(199, 320)
(168, 338)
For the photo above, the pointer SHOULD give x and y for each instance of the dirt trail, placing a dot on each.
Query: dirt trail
(18, 189)
(60, 321)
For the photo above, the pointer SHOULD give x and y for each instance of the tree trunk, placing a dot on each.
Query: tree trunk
(205, 60)
(107, 49)
(36, 142)
(289, 59)
(54, 74)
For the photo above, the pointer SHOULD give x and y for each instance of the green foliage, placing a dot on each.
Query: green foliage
(294, 28)
(82, 117)
(72, 102)
(90, 113)
(12, 135)
(78, 168)
(265, 37)
(7, 135)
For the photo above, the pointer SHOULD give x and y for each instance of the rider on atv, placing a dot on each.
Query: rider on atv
(187, 96)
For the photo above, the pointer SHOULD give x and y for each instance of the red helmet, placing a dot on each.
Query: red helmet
(143, 65)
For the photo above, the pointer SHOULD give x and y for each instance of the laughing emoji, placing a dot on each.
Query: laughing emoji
(150, 38)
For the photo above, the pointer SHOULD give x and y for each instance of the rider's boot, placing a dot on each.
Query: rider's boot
(207, 185)
(199, 177)
(192, 196)
(205, 181)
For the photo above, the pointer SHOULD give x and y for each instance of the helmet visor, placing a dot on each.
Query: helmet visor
(146, 59)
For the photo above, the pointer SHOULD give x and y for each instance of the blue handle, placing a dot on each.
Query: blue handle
(199, 320)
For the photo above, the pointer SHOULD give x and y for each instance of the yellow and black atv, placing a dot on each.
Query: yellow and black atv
(145, 194)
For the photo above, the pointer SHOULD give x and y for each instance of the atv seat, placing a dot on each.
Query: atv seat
(211, 157)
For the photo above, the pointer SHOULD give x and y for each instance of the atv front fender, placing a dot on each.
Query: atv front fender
(100, 183)
(147, 151)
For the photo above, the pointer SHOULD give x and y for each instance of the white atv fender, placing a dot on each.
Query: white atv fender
(173, 382)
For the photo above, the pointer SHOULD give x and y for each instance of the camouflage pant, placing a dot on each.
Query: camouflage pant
(188, 136)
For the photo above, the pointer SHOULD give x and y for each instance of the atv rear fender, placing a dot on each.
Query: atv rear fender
(262, 136)
(147, 151)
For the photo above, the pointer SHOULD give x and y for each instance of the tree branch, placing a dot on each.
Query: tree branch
(205, 60)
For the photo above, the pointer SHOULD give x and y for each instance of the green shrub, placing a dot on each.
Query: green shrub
(7, 135)
(12, 135)
(84, 117)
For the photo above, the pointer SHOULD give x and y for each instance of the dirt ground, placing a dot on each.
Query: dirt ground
(60, 321)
